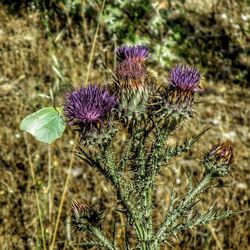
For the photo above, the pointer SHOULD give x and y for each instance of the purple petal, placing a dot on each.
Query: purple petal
(185, 78)
(88, 106)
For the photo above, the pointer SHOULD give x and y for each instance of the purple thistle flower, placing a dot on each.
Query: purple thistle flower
(185, 78)
(178, 97)
(138, 53)
(88, 106)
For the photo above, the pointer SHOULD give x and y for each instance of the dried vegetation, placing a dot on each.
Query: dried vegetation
(26, 75)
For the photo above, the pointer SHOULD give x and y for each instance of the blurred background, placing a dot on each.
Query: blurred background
(44, 52)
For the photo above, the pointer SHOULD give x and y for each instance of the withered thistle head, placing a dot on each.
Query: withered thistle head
(219, 158)
(88, 107)
(83, 216)
(137, 53)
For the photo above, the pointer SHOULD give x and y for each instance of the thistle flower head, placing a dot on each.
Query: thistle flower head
(88, 106)
(131, 71)
(184, 81)
(177, 99)
(132, 80)
(130, 74)
(222, 153)
(219, 158)
(132, 83)
(184, 78)
(137, 53)
(83, 216)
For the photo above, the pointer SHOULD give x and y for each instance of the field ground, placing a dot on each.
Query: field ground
(25, 78)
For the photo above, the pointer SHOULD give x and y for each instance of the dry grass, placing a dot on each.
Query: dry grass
(25, 73)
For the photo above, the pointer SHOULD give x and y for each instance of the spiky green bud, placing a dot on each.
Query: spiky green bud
(219, 158)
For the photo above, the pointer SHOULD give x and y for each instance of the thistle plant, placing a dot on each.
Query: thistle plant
(148, 115)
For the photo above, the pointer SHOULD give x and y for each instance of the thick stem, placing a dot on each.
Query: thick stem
(141, 233)
(148, 189)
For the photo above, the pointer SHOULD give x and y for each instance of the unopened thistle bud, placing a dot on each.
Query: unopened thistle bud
(219, 158)
(83, 216)
(131, 71)
(132, 80)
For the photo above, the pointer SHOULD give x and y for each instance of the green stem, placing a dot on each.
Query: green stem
(172, 217)
(117, 183)
(125, 157)
(102, 238)
(149, 214)
(140, 230)
(148, 191)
